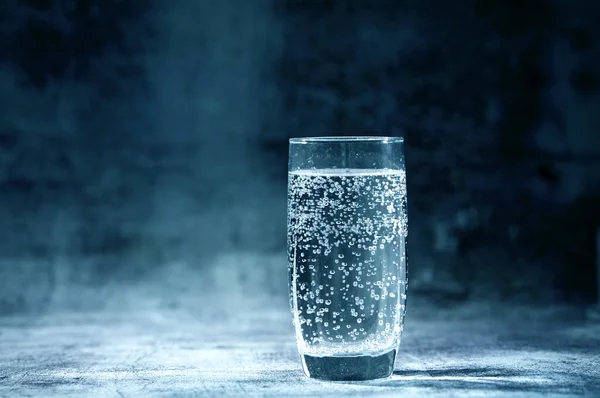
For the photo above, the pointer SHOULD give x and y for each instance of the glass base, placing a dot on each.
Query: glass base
(355, 368)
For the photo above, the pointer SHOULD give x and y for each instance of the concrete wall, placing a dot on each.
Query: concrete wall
(147, 162)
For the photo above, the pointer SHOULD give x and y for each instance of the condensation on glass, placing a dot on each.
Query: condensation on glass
(347, 229)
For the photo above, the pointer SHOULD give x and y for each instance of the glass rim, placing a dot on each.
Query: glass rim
(354, 139)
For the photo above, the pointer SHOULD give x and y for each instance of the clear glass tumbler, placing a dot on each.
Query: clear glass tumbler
(347, 228)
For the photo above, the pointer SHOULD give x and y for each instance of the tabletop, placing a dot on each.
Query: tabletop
(162, 352)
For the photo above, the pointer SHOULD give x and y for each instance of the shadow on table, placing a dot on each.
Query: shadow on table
(487, 378)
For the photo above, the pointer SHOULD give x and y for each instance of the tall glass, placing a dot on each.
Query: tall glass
(347, 228)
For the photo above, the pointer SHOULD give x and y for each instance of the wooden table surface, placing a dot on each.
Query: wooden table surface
(176, 353)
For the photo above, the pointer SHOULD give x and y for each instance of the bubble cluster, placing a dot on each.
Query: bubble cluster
(346, 247)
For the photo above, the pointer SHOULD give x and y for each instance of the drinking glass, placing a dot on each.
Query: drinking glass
(346, 237)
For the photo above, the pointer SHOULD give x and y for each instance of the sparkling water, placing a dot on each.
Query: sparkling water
(347, 265)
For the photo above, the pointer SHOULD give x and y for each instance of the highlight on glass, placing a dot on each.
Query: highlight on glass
(346, 237)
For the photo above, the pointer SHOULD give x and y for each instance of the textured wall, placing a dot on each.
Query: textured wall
(503, 165)
(143, 147)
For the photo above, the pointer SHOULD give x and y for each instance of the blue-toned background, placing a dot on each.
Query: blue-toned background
(143, 144)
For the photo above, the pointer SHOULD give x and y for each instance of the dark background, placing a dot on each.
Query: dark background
(143, 144)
